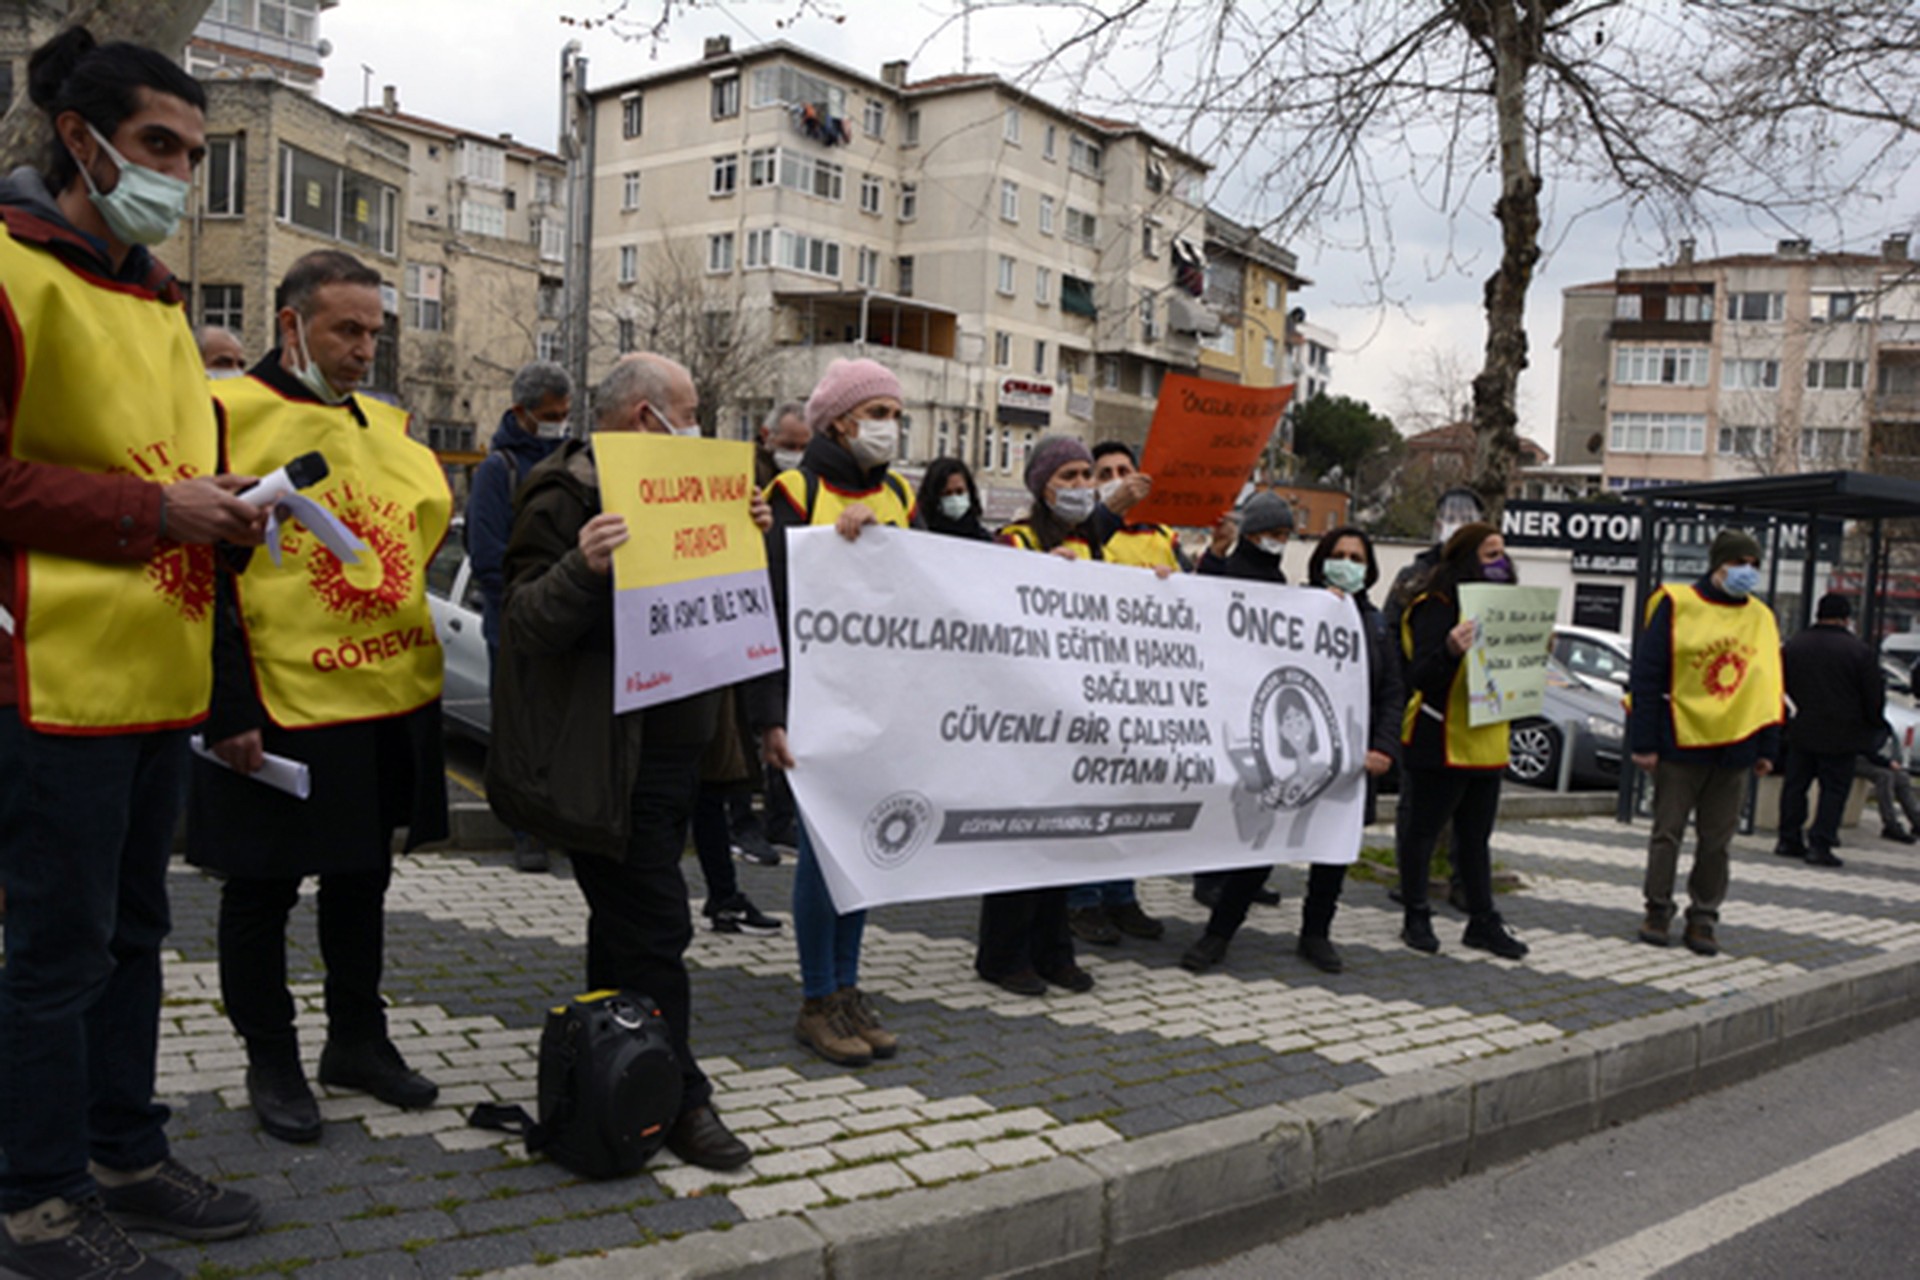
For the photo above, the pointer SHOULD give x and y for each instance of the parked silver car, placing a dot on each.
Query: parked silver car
(1582, 718)
(453, 595)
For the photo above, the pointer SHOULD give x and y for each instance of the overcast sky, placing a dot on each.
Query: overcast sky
(492, 66)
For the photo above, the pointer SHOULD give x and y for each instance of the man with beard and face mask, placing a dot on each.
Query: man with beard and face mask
(1708, 700)
(531, 428)
(844, 480)
(108, 506)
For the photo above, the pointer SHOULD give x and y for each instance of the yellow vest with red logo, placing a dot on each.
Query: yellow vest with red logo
(1151, 546)
(1023, 537)
(1466, 747)
(891, 503)
(334, 643)
(1727, 683)
(111, 384)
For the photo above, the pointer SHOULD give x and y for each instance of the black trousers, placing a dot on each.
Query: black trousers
(253, 955)
(1316, 914)
(1023, 930)
(1470, 799)
(638, 921)
(1834, 770)
(713, 843)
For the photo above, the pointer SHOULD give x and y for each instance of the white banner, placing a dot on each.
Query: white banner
(968, 718)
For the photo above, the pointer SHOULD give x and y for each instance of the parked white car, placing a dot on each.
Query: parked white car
(453, 596)
(1598, 657)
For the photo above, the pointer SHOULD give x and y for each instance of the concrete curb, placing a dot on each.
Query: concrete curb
(1202, 1191)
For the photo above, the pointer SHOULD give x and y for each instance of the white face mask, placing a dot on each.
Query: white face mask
(1107, 490)
(787, 459)
(309, 373)
(221, 375)
(1272, 546)
(1073, 505)
(1348, 575)
(144, 207)
(877, 444)
(954, 506)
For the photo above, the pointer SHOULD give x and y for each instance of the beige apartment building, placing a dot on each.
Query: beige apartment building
(1022, 268)
(1250, 284)
(1750, 364)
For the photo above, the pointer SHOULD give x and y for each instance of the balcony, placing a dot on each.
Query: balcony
(873, 319)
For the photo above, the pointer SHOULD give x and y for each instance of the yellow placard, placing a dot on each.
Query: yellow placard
(686, 502)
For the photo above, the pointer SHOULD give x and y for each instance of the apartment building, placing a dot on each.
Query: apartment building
(1750, 364)
(254, 38)
(1022, 268)
(1250, 285)
(480, 290)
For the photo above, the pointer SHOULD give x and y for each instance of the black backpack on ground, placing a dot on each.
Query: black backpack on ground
(609, 1087)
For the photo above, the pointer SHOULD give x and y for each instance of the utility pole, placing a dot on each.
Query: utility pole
(576, 147)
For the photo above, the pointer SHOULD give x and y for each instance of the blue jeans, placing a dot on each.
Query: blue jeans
(829, 942)
(86, 828)
(1108, 893)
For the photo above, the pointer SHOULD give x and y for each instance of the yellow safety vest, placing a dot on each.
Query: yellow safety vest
(111, 384)
(334, 643)
(891, 501)
(1150, 546)
(1465, 746)
(1726, 683)
(1024, 537)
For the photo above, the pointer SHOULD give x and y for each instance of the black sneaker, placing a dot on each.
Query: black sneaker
(529, 854)
(1823, 858)
(1489, 933)
(1071, 977)
(95, 1248)
(1416, 930)
(738, 915)
(1093, 924)
(1790, 849)
(376, 1067)
(1207, 951)
(1319, 952)
(176, 1201)
(1135, 923)
(752, 846)
(1899, 835)
(1266, 896)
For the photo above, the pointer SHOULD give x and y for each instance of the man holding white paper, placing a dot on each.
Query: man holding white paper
(326, 656)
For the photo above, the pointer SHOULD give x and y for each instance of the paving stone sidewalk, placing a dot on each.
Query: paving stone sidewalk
(985, 1080)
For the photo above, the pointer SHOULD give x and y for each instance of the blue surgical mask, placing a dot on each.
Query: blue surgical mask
(1348, 575)
(1742, 579)
(954, 506)
(144, 207)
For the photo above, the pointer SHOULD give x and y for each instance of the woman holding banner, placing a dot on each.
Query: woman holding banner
(1455, 767)
(843, 480)
(1343, 562)
(1024, 939)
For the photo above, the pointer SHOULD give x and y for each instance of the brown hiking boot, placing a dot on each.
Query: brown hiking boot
(1653, 930)
(859, 1013)
(823, 1028)
(1700, 940)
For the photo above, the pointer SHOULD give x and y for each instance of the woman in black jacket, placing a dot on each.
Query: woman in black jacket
(950, 502)
(1343, 562)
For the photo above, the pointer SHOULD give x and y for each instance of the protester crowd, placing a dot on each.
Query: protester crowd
(141, 607)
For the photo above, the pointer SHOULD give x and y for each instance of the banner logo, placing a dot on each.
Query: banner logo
(1295, 751)
(896, 828)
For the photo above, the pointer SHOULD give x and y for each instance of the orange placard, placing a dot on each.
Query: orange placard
(1202, 446)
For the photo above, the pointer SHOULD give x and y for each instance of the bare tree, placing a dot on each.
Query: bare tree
(1344, 117)
(162, 24)
(1434, 389)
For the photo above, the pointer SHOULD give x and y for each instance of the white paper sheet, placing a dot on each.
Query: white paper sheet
(280, 773)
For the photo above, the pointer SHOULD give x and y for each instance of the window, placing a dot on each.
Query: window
(867, 269)
(630, 189)
(1110, 373)
(903, 268)
(760, 247)
(1083, 157)
(720, 253)
(1273, 295)
(726, 97)
(512, 198)
(810, 254)
(1750, 375)
(1149, 324)
(630, 115)
(1150, 238)
(1746, 442)
(1225, 342)
(1002, 348)
(1836, 375)
(220, 304)
(224, 176)
(790, 86)
(549, 346)
(1840, 306)
(423, 297)
(1658, 433)
(1270, 354)
(1046, 215)
(1082, 227)
(1829, 444)
(1039, 356)
(546, 189)
(815, 177)
(912, 131)
(1010, 128)
(909, 201)
(1626, 306)
(480, 219)
(548, 301)
(763, 167)
(1076, 297)
(1660, 366)
(483, 165)
(290, 18)
(1156, 174)
(324, 197)
(1043, 286)
(1151, 376)
(1756, 306)
(1010, 201)
(725, 179)
(629, 263)
(870, 194)
(1006, 275)
(550, 234)
(1048, 141)
(624, 334)
(874, 118)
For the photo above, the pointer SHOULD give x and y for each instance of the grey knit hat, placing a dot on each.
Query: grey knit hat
(1264, 513)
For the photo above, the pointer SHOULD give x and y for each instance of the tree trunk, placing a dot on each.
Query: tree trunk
(161, 24)
(1514, 28)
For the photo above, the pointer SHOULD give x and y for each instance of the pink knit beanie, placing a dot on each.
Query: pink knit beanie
(846, 384)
